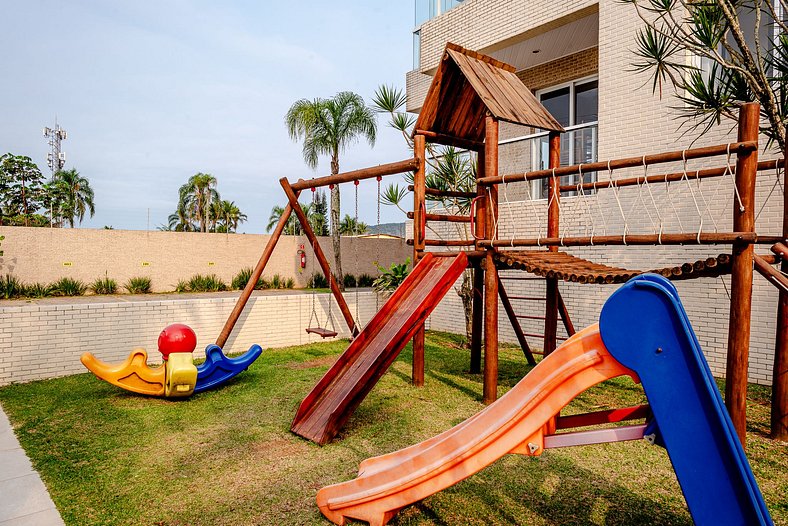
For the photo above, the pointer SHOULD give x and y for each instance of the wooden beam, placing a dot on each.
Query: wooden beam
(319, 255)
(742, 147)
(357, 175)
(419, 222)
(448, 218)
(772, 275)
(741, 274)
(518, 331)
(562, 310)
(445, 193)
(639, 239)
(450, 140)
(444, 242)
(490, 388)
(553, 230)
(477, 319)
(240, 304)
(779, 413)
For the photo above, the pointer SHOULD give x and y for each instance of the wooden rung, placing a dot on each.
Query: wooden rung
(603, 417)
(527, 317)
(323, 333)
(518, 278)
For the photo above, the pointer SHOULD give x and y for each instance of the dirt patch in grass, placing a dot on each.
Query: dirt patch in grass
(325, 361)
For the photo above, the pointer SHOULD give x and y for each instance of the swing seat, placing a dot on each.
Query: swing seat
(323, 333)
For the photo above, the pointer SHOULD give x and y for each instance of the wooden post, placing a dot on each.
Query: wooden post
(319, 255)
(477, 316)
(551, 284)
(256, 273)
(490, 273)
(741, 275)
(419, 209)
(780, 374)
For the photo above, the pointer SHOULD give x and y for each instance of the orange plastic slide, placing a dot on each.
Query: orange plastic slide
(514, 424)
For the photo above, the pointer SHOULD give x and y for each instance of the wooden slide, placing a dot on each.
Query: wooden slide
(326, 409)
(514, 424)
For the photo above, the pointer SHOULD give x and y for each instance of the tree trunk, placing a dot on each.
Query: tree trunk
(335, 240)
(466, 294)
(24, 202)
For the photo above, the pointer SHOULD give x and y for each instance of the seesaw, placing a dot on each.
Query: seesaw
(643, 332)
(178, 377)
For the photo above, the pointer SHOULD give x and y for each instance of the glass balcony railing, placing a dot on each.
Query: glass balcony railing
(427, 10)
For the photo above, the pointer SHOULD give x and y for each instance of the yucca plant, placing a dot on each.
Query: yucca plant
(69, 287)
(289, 283)
(105, 285)
(11, 287)
(39, 290)
(138, 285)
(182, 286)
(317, 281)
(365, 280)
(208, 283)
(242, 278)
(392, 277)
(350, 281)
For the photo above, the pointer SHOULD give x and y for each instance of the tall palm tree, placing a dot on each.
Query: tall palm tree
(226, 216)
(293, 227)
(180, 221)
(75, 194)
(197, 195)
(350, 226)
(328, 127)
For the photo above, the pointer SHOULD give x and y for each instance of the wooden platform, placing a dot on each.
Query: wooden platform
(567, 267)
(326, 409)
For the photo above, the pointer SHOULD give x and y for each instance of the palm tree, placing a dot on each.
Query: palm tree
(180, 221)
(328, 127)
(226, 216)
(75, 195)
(293, 227)
(351, 226)
(196, 197)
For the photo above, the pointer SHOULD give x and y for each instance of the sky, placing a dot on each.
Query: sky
(152, 92)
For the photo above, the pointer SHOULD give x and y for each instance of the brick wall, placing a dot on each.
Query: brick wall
(47, 254)
(46, 340)
(574, 66)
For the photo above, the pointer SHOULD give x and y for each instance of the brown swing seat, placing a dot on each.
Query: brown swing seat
(323, 333)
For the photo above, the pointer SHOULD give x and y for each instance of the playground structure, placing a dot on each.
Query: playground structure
(178, 377)
(469, 96)
(643, 332)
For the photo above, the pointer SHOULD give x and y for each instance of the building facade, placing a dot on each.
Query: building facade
(576, 56)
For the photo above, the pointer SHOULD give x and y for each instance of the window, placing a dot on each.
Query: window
(426, 10)
(575, 106)
(416, 49)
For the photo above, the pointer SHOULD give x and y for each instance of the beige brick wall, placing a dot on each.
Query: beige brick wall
(46, 340)
(575, 66)
(47, 254)
(632, 122)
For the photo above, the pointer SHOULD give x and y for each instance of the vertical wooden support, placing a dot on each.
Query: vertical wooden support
(562, 310)
(256, 273)
(477, 316)
(319, 255)
(551, 284)
(490, 273)
(741, 275)
(419, 209)
(780, 375)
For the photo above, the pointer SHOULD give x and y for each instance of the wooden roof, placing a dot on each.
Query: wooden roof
(467, 85)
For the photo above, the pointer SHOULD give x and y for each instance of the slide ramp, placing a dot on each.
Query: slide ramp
(326, 409)
(388, 483)
(643, 332)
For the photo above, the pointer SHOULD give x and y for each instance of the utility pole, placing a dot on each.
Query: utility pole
(56, 159)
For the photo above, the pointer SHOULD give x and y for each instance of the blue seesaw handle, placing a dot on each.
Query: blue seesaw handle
(218, 369)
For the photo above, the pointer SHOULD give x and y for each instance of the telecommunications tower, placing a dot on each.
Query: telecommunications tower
(55, 158)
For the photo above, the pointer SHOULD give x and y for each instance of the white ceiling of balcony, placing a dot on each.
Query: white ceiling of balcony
(553, 44)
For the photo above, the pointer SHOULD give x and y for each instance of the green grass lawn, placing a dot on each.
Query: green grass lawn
(227, 457)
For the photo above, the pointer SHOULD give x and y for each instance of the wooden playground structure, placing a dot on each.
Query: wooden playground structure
(470, 95)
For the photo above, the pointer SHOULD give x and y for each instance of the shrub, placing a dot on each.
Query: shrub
(289, 283)
(11, 287)
(391, 278)
(276, 281)
(208, 283)
(39, 290)
(317, 281)
(69, 287)
(104, 285)
(242, 278)
(349, 280)
(182, 286)
(365, 280)
(138, 285)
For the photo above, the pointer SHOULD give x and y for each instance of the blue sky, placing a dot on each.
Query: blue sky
(153, 92)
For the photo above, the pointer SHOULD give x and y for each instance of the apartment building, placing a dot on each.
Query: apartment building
(576, 57)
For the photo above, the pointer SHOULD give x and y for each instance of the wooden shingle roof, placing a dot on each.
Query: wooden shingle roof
(467, 85)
